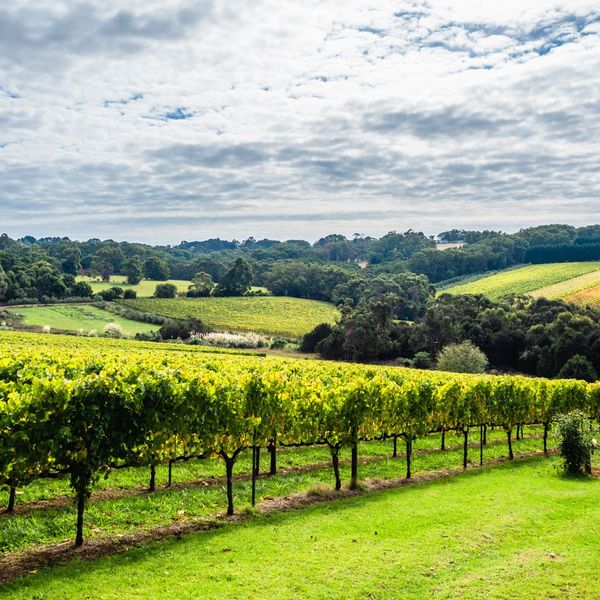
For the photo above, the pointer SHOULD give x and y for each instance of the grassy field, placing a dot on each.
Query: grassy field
(265, 314)
(554, 280)
(72, 317)
(519, 530)
(144, 289)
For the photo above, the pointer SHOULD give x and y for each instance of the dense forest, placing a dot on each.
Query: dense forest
(520, 334)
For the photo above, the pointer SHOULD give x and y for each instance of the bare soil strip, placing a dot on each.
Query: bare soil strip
(19, 564)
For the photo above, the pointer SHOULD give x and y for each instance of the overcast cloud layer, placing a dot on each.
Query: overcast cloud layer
(157, 120)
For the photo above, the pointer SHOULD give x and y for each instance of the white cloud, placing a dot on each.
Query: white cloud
(166, 120)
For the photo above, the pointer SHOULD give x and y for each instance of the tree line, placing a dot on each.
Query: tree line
(305, 269)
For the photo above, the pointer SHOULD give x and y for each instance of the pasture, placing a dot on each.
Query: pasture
(144, 289)
(74, 317)
(273, 315)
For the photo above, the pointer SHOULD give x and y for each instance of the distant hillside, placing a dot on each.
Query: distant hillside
(555, 280)
(276, 315)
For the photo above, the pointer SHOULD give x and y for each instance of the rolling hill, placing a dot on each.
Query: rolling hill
(274, 315)
(555, 281)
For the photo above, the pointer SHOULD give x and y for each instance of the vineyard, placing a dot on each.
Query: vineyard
(553, 280)
(586, 296)
(264, 314)
(82, 409)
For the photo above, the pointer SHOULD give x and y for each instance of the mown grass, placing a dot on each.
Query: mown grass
(525, 280)
(131, 512)
(71, 317)
(273, 315)
(519, 530)
(144, 289)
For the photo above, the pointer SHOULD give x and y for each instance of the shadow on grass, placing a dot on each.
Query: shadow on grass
(130, 553)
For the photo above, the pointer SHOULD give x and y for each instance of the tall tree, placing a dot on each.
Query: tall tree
(237, 280)
(156, 269)
(133, 270)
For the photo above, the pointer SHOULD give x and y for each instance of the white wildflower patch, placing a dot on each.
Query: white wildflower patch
(233, 340)
(113, 330)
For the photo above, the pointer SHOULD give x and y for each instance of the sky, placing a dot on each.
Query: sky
(164, 120)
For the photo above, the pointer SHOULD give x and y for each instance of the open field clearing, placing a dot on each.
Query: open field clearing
(72, 317)
(532, 279)
(264, 314)
(144, 289)
(518, 530)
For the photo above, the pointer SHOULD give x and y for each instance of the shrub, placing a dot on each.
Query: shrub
(113, 330)
(165, 290)
(148, 336)
(422, 360)
(113, 293)
(578, 367)
(462, 358)
(575, 442)
(278, 343)
(130, 295)
(46, 329)
(172, 330)
(82, 289)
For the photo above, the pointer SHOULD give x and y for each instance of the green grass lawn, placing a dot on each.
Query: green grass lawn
(265, 314)
(144, 289)
(73, 317)
(551, 280)
(515, 531)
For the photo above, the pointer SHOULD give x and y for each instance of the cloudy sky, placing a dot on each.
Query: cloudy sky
(162, 120)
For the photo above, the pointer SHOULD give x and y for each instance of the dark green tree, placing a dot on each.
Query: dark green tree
(133, 270)
(107, 261)
(237, 281)
(578, 367)
(165, 290)
(71, 262)
(156, 269)
(202, 286)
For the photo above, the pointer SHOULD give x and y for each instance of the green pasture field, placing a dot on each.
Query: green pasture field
(74, 317)
(519, 530)
(554, 280)
(144, 289)
(273, 315)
